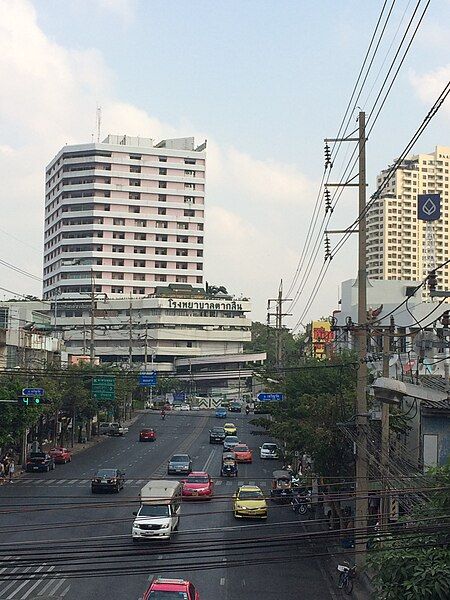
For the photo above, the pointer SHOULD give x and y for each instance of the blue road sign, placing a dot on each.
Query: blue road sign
(428, 207)
(179, 397)
(32, 392)
(266, 397)
(148, 379)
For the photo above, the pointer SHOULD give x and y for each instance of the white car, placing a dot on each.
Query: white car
(268, 451)
(185, 407)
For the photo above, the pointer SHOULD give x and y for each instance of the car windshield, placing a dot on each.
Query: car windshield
(106, 473)
(197, 479)
(240, 449)
(163, 595)
(154, 510)
(179, 458)
(146, 430)
(250, 495)
(217, 430)
(229, 425)
(271, 447)
(231, 439)
(37, 455)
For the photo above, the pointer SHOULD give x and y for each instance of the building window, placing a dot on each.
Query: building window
(160, 265)
(139, 263)
(162, 171)
(139, 250)
(189, 213)
(189, 186)
(181, 279)
(162, 211)
(182, 265)
(200, 240)
(118, 249)
(160, 277)
(162, 158)
(135, 182)
(135, 168)
(199, 252)
(182, 225)
(162, 198)
(116, 290)
(118, 235)
(199, 266)
(190, 161)
(117, 276)
(134, 196)
(140, 222)
(189, 199)
(182, 239)
(139, 277)
(199, 226)
(140, 236)
(161, 238)
(161, 224)
(118, 221)
(134, 209)
(182, 252)
(199, 279)
(118, 262)
(135, 156)
(161, 251)
(139, 291)
(162, 184)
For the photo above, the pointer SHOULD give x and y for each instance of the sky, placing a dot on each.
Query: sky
(264, 81)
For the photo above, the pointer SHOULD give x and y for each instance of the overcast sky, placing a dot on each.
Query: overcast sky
(263, 81)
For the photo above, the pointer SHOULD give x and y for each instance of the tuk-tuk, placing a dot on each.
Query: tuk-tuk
(229, 466)
(281, 487)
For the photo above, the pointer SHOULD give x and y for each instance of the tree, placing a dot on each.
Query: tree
(417, 566)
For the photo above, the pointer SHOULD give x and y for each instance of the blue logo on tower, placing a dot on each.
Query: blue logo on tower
(428, 207)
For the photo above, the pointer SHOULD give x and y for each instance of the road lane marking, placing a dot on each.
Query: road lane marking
(222, 581)
(55, 589)
(23, 584)
(38, 582)
(47, 481)
(64, 592)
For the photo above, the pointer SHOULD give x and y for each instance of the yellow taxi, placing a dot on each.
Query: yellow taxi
(230, 429)
(249, 501)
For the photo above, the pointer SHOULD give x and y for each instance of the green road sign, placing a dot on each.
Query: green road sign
(103, 388)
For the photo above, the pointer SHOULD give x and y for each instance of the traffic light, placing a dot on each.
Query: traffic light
(432, 281)
(32, 400)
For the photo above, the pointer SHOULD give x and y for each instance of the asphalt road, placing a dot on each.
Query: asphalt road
(57, 540)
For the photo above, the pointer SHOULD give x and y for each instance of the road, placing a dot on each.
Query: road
(52, 528)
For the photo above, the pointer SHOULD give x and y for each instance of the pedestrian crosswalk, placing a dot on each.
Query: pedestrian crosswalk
(138, 483)
(36, 582)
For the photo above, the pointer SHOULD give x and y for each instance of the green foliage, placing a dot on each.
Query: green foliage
(417, 566)
(263, 340)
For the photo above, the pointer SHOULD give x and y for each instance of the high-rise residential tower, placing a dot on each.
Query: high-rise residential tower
(124, 216)
(398, 243)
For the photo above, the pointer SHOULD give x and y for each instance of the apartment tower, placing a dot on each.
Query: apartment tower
(124, 216)
(398, 243)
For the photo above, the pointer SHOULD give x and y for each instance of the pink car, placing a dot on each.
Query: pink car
(170, 589)
(198, 485)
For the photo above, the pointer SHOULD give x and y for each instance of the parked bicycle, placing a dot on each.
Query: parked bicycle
(346, 576)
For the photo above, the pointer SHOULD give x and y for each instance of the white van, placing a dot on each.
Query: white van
(159, 513)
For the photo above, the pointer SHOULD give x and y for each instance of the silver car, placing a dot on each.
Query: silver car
(179, 464)
(230, 442)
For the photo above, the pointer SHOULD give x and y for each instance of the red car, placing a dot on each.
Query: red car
(147, 435)
(198, 485)
(243, 454)
(61, 456)
(171, 589)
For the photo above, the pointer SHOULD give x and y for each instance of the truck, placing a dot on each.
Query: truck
(159, 511)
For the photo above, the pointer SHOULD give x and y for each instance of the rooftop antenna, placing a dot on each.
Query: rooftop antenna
(99, 121)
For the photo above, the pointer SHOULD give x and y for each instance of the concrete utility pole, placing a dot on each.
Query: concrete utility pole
(385, 499)
(278, 314)
(91, 340)
(130, 335)
(362, 503)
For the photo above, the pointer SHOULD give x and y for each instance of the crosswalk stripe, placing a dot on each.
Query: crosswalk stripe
(219, 482)
(36, 583)
(60, 481)
(14, 581)
(73, 481)
(84, 480)
(47, 481)
(49, 584)
(22, 585)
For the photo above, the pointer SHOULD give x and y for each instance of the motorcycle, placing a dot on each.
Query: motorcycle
(301, 502)
(163, 416)
(247, 410)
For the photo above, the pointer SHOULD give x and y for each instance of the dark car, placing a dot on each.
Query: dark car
(108, 480)
(216, 435)
(179, 464)
(230, 442)
(235, 406)
(39, 461)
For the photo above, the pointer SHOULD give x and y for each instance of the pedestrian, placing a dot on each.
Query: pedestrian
(12, 468)
(2, 473)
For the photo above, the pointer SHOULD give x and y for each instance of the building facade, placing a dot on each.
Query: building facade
(399, 245)
(26, 337)
(124, 216)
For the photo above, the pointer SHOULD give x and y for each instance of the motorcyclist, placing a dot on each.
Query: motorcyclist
(163, 414)
(247, 409)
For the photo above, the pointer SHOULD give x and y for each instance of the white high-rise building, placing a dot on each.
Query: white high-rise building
(398, 243)
(124, 216)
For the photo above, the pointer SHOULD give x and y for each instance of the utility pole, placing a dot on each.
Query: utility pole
(130, 335)
(91, 341)
(362, 503)
(278, 314)
(361, 470)
(385, 499)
